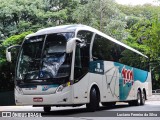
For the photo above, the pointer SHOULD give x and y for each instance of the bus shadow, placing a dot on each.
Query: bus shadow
(81, 112)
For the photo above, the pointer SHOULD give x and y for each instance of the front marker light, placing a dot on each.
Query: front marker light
(19, 90)
(68, 83)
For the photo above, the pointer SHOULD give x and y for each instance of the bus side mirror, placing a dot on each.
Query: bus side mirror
(8, 52)
(8, 56)
(71, 44)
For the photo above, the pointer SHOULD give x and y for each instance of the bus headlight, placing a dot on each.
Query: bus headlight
(61, 87)
(19, 90)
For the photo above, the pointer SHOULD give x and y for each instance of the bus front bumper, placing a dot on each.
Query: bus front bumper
(60, 98)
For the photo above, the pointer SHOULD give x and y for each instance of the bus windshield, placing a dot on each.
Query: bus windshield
(44, 57)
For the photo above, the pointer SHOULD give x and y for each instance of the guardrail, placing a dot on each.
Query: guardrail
(156, 92)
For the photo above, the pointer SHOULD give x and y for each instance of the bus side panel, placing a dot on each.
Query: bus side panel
(105, 75)
(96, 69)
(95, 79)
(131, 79)
(149, 85)
(110, 82)
(80, 90)
(119, 82)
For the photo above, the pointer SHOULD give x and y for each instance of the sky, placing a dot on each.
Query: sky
(137, 2)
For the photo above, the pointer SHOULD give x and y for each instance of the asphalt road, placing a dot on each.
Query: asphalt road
(120, 111)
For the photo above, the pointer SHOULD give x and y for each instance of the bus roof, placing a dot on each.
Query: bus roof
(77, 27)
(56, 29)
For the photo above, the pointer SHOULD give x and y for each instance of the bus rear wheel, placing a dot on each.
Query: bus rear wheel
(47, 109)
(139, 97)
(94, 100)
(136, 102)
(142, 98)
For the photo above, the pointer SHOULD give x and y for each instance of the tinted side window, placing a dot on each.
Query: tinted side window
(133, 59)
(85, 35)
(104, 49)
(81, 63)
(82, 55)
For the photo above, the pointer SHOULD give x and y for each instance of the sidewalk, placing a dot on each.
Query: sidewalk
(154, 97)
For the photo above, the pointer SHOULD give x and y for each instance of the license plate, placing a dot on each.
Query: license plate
(38, 99)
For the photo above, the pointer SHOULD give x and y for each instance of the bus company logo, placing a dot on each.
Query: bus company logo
(127, 76)
(98, 69)
(45, 87)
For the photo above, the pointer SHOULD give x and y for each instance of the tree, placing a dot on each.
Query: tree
(17, 16)
(103, 15)
(145, 36)
(7, 69)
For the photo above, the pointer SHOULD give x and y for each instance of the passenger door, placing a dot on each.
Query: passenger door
(81, 65)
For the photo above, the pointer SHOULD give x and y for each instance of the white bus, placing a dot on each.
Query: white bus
(73, 65)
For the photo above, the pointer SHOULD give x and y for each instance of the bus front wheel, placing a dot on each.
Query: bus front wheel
(47, 109)
(94, 100)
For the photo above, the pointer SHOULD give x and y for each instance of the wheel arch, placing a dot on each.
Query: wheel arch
(94, 85)
(139, 89)
(144, 91)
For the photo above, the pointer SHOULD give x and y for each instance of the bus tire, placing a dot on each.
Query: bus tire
(47, 109)
(108, 104)
(142, 98)
(137, 102)
(94, 101)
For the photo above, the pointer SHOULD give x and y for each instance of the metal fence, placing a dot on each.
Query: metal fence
(156, 92)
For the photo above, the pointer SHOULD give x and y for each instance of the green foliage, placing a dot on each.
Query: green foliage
(16, 39)
(102, 15)
(7, 69)
(143, 26)
(146, 11)
(137, 26)
(17, 16)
